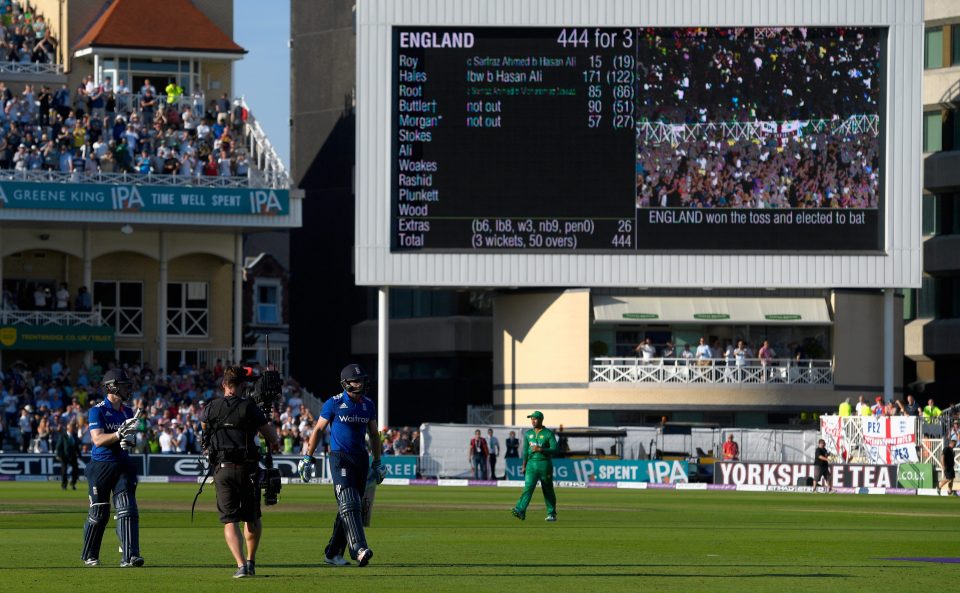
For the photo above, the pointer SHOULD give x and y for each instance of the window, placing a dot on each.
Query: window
(926, 298)
(933, 48)
(121, 305)
(267, 303)
(187, 313)
(930, 208)
(932, 131)
(955, 45)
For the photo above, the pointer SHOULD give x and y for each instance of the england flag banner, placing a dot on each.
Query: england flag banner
(890, 440)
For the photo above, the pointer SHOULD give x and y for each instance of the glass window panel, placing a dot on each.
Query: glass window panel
(932, 131)
(174, 295)
(927, 298)
(933, 48)
(929, 207)
(955, 45)
(131, 294)
(105, 294)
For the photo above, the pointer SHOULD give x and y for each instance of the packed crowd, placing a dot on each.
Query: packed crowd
(24, 36)
(42, 404)
(690, 75)
(908, 406)
(109, 128)
(813, 171)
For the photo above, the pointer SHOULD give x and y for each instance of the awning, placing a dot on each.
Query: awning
(711, 310)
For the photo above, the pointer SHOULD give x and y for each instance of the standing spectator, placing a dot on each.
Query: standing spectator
(877, 409)
(861, 404)
(83, 302)
(67, 453)
(686, 354)
(63, 297)
(821, 466)
(947, 462)
(766, 354)
(26, 428)
(931, 411)
(845, 409)
(415, 443)
(494, 447)
(911, 407)
(704, 354)
(168, 443)
(645, 350)
(731, 450)
(477, 455)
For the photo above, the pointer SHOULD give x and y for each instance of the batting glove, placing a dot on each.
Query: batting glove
(128, 442)
(128, 428)
(305, 468)
(380, 471)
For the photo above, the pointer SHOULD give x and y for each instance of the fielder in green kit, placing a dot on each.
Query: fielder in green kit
(539, 447)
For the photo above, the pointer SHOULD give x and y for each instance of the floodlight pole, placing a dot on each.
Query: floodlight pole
(888, 362)
(383, 356)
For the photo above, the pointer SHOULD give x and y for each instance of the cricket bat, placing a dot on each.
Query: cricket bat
(368, 495)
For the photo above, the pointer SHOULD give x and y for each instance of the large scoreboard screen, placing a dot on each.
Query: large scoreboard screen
(742, 139)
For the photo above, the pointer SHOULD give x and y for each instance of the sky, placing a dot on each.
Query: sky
(262, 77)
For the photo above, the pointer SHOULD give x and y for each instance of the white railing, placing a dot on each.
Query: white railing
(679, 370)
(60, 318)
(263, 157)
(96, 177)
(30, 68)
(659, 132)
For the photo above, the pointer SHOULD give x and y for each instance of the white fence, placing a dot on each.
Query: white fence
(59, 318)
(30, 68)
(678, 370)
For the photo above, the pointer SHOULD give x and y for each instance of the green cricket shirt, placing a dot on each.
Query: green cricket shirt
(545, 439)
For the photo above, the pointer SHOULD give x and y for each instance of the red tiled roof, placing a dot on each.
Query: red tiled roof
(175, 25)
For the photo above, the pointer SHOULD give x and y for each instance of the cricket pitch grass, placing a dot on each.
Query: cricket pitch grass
(465, 539)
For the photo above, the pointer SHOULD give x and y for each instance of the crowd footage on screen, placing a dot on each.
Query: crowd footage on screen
(794, 86)
(24, 36)
(110, 128)
(39, 404)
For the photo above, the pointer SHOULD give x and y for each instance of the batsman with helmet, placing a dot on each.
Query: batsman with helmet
(113, 429)
(350, 415)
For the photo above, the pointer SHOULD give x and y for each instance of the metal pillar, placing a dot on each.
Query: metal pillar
(238, 298)
(162, 306)
(888, 337)
(88, 282)
(383, 356)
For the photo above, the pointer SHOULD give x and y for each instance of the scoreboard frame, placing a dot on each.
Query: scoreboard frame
(899, 264)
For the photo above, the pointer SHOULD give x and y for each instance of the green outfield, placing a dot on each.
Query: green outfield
(464, 539)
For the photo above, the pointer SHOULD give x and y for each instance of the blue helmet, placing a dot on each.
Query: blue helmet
(354, 373)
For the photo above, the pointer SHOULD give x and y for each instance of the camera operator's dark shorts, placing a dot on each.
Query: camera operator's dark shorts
(948, 473)
(820, 471)
(238, 492)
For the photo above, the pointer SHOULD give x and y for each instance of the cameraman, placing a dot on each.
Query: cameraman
(229, 425)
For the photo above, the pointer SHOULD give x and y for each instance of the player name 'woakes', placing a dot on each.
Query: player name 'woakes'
(409, 166)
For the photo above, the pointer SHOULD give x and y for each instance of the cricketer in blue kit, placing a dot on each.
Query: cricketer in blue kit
(351, 416)
(113, 429)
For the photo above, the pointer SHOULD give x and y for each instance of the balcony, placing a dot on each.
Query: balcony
(57, 318)
(783, 371)
(941, 172)
(940, 255)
